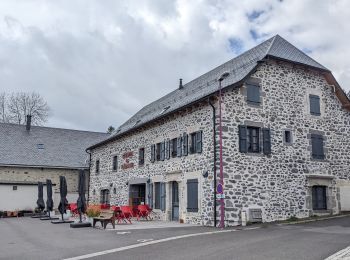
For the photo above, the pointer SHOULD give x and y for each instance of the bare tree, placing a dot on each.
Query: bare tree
(18, 105)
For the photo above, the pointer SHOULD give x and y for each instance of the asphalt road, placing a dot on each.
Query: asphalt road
(29, 239)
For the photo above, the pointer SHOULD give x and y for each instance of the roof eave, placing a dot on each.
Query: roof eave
(44, 166)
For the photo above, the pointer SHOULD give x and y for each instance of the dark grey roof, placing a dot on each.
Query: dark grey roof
(45, 146)
(207, 84)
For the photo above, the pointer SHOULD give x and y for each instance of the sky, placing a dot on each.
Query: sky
(97, 63)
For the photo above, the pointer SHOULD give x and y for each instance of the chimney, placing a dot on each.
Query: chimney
(180, 85)
(28, 122)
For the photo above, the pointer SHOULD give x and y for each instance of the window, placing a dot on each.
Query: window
(14, 187)
(192, 195)
(196, 142)
(153, 152)
(158, 147)
(317, 146)
(97, 166)
(185, 144)
(141, 156)
(40, 146)
(249, 139)
(314, 105)
(253, 94)
(253, 140)
(319, 198)
(104, 199)
(173, 147)
(115, 163)
(288, 136)
(159, 195)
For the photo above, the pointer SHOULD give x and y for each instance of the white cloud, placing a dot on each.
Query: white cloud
(98, 62)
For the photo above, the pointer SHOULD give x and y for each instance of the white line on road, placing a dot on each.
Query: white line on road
(341, 255)
(114, 250)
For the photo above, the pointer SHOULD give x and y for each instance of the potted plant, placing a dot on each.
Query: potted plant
(91, 212)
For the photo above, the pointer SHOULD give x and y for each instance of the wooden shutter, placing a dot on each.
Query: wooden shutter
(242, 132)
(253, 93)
(162, 151)
(179, 146)
(153, 152)
(157, 195)
(266, 141)
(162, 196)
(185, 144)
(167, 149)
(150, 195)
(199, 142)
(315, 105)
(192, 195)
(317, 146)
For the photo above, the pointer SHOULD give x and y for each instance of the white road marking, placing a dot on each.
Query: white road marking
(341, 255)
(123, 233)
(144, 240)
(119, 249)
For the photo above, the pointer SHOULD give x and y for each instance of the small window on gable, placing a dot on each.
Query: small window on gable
(40, 146)
(287, 136)
(97, 166)
(253, 94)
(115, 163)
(314, 105)
(141, 156)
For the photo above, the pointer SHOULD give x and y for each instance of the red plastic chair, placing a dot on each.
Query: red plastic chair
(73, 207)
(125, 214)
(143, 212)
(105, 206)
(150, 211)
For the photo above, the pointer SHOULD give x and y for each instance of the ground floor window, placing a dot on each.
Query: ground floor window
(104, 196)
(319, 197)
(137, 194)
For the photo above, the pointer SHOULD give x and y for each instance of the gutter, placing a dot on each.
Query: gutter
(214, 146)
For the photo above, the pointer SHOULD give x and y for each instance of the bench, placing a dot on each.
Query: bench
(106, 216)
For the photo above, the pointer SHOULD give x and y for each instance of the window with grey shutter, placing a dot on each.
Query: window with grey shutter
(115, 163)
(253, 94)
(317, 146)
(314, 105)
(266, 141)
(192, 195)
(199, 142)
(97, 166)
(167, 149)
(162, 196)
(173, 147)
(141, 156)
(242, 132)
(153, 152)
(162, 151)
(179, 147)
(150, 195)
(185, 144)
(157, 195)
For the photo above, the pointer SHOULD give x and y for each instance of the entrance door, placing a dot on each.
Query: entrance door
(175, 201)
(319, 198)
(137, 194)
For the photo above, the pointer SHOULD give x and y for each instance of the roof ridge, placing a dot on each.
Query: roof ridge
(271, 44)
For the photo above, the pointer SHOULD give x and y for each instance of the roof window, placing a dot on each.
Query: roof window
(40, 146)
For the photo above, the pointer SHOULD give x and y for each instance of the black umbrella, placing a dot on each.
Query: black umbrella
(81, 202)
(63, 202)
(49, 200)
(40, 202)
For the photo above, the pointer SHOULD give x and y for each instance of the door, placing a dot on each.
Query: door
(175, 201)
(319, 198)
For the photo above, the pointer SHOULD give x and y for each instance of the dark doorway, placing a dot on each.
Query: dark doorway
(175, 201)
(137, 194)
(319, 198)
(104, 196)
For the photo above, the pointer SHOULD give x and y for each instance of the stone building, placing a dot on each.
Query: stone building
(29, 154)
(285, 140)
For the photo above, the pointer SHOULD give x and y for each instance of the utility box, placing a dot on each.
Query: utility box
(255, 215)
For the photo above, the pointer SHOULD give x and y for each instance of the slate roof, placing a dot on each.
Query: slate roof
(45, 146)
(207, 84)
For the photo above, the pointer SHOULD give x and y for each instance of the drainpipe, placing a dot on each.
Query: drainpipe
(88, 152)
(214, 146)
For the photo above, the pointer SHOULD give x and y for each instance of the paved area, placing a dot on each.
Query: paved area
(26, 238)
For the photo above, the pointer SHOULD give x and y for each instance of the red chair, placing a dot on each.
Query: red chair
(125, 214)
(105, 206)
(150, 211)
(143, 212)
(73, 207)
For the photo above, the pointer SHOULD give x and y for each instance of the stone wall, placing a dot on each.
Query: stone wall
(279, 183)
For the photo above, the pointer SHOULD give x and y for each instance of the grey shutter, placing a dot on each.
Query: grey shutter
(150, 195)
(192, 195)
(153, 152)
(315, 105)
(253, 93)
(167, 149)
(242, 132)
(179, 146)
(162, 151)
(170, 148)
(317, 146)
(199, 142)
(266, 141)
(162, 196)
(185, 144)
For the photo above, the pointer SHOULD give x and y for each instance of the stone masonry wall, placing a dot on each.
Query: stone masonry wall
(279, 184)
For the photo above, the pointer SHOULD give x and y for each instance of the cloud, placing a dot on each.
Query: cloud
(97, 63)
